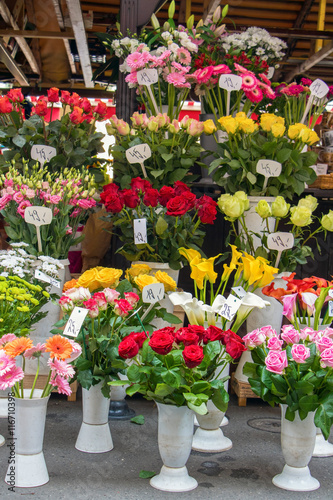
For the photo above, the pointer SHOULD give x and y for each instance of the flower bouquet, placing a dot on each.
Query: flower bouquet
(112, 312)
(304, 301)
(61, 352)
(209, 305)
(173, 146)
(248, 142)
(73, 136)
(274, 216)
(172, 216)
(69, 195)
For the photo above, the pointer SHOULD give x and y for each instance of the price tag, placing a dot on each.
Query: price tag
(153, 293)
(75, 321)
(47, 279)
(38, 216)
(230, 82)
(239, 291)
(270, 73)
(330, 308)
(147, 76)
(230, 307)
(280, 241)
(138, 154)
(321, 168)
(319, 89)
(140, 231)
(43, 154)
(222, 136)
(330, 292)
(269, 168)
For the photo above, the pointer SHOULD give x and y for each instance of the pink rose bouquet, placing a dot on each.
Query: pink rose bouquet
(294, 367)
(69, 195)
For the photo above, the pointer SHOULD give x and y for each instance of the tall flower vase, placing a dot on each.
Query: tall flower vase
(94, 435)
(253, 222)
(119, 409)
(322, 447)
(297, 441)
(175, 433)
(27, 467)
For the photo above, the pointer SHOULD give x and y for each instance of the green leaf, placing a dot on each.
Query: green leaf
(19, 141)
(283, 155)
(166, 157)
(200, 386)
(163, 390)
(85, 378)
(146, 474)
(201, 410)
(251, 177)
(309, 403)
(170, 318)
(161, 226)
(132, 389)
(139, 419)
(220, 399)
(133, 373)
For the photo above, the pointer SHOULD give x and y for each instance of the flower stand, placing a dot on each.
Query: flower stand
(175, 433)
(297, 441)
(322, 447)
(94, 435)
(28, 468)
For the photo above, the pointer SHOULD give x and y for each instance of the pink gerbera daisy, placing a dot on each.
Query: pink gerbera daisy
(255, 95)
(35, 351)
(61, 384)
(7, 363)
(137, 60)
(61, 367)
(183, 55)
(175, 79)
(249, 81)
(11, 377)
(76, 350)
(7, 338)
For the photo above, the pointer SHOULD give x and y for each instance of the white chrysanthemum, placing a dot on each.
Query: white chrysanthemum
(166, 35)
(20, 244)
(4, 274)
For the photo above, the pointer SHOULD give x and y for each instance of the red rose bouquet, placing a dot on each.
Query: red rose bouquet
(173, 217)
(180, 367)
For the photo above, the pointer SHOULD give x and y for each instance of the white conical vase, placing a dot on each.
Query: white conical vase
(94, 435)
(297, 441)
(27, 467)
(175, 433)
(322, 447)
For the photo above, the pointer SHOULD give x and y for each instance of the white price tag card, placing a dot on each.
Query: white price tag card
(330, 292)
(138, 154)
(270, 73)
(47, 279)
(38, 216)
(230, 307)
(280, 241)
(230, 82)
(43, 154)
(140, 231)
(222, 136)
(269, 168)
(153, 293)
(321, 168)
(330, 308)
(239, 291)
(147, 76)
(319, 89)
(75, 321)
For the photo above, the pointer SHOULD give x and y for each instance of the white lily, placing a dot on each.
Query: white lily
(192, 306)
(249, 301)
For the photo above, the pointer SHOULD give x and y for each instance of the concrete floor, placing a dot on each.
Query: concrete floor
(244, 472)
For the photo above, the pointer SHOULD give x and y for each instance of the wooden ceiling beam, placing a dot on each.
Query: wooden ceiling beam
(61, 23)
(12, 66)
(8, 18)
(311, 61)
(61, 35)
(35, 43)
(209, 11)
(75, 14)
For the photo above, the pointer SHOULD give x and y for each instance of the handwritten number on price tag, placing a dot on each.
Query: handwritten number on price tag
(147, 77)
(43, 154)
(138, 154)
(75, 321)
(269, 168)
(330, 308)
(47, 279)
(230, 307)
(140, 231)
(230, 82)
(280, 241)
(270, 73)
(38, 216)
(153, 293)
(330, 292)
(319, 89)
(239, 291)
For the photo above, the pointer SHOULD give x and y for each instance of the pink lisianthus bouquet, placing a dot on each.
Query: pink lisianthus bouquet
(113, 308)
(69, 195)
(294, 367)
(74, 135)
(173, 217)
(61, 353)
(174, 148)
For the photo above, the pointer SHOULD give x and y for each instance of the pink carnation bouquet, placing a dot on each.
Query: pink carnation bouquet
(69, 195)
(294, 367)
(15, 350)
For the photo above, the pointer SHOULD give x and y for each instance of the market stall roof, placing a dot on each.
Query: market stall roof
(48, 43)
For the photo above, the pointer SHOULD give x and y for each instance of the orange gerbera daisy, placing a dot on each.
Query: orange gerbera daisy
(69, 284)
(58, 347)
(17, 346)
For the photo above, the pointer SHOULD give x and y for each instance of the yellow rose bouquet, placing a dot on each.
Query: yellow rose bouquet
(278, 216)
(244, 142)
